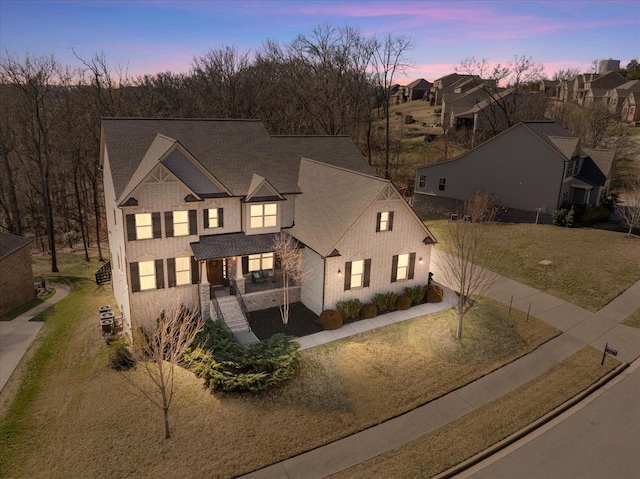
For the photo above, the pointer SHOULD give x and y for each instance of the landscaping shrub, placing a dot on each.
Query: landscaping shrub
(404, 302)
(434, 293)
(369, 311)
(416, 293)
(120, 357)
(385, 301)
(564, 217)
(330, 319)
(349, 309)
(595, 214)
(225, 365)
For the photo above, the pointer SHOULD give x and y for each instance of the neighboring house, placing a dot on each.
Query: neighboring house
(16, 276)
(193, 205)
(455, 103)
(452, 83)
(631, 108)
(615, 97)
(531, 166)
(596, 87)
(417, 89)
(493, 113)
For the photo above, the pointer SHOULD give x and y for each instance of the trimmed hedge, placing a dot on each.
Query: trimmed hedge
(416, 293)
(385, 301)
(434, 293)
(403, 303)
(369, 311)
(349, 309)
(225, 365)
(330, 319)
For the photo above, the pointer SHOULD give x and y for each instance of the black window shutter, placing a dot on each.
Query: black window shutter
(245, 264)
(390, 225)
(412, 265)
(168, 224)
(206, 217)
(131, 228)
(195, 271)
(367, 273)
(378, 222)
(347, 276)
(135, 277)
(394, 268)
(171, 271)
(157, 228)
(220, 218)
(193, 222)
(159, 274)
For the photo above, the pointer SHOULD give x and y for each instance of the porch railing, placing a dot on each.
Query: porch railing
(236, 292)
(215, 304)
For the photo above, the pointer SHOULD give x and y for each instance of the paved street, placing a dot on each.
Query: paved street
(598, 438)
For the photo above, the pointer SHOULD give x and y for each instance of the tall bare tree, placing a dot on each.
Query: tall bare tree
(389, 62)
(41, 82)
(469, 254)
(289, 257)
(158, 351)
(630, 211)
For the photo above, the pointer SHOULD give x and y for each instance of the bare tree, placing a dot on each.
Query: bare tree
(630, 211)
(388, 62)
(469, 253)
(289, 256)
(566, 74)
(505, 86)
(158, 351)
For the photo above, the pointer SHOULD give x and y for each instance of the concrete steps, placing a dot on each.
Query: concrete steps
(232, 315)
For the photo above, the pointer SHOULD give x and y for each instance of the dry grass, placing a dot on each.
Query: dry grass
(633, 320)
(589, 267)
(73, 417)
(455, 442)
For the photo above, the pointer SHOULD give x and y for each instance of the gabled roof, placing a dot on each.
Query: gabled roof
(261, 190)
(11, 243)
(597, 166)
(420, 83)
(566, 145)
(232, 244)
(230, 150)
(332, 201)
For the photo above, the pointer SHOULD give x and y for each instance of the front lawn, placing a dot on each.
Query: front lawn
(589, 267)
(73, 417)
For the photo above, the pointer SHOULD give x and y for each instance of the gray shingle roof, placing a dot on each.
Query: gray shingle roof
(333, 199)
(231, 150)
(232, 244)
(11, 243)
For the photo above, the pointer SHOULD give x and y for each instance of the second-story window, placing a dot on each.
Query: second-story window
(264, 216)
(144, 229)
(180, 223)
(422, 181)
(213, 218)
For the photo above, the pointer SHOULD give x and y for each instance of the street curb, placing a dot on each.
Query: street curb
(491, 450)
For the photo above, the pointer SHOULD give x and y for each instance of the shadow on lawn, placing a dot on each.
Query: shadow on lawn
(302, 322)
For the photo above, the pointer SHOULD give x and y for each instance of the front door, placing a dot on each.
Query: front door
(215, 271)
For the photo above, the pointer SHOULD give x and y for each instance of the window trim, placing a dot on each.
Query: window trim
(395, 267)
(263, 216)
(389, 221)
(260, 257)
(366, 274)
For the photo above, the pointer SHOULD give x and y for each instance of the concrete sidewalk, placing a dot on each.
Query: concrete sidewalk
(580, 328)
(17, 335)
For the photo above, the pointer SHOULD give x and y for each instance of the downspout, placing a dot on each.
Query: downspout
(324, 281)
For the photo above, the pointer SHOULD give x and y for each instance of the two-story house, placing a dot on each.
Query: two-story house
(193, 206)
(534, 166)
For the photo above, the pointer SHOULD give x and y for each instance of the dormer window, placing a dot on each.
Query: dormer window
(264, 216)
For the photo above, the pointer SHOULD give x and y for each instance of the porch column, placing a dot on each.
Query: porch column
(203, 273)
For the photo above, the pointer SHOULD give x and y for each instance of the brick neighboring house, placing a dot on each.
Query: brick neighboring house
(193, 205)
(16, 276)
(530, 166)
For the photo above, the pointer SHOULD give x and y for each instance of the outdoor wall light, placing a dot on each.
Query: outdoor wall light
(420, 260)
(339, 272)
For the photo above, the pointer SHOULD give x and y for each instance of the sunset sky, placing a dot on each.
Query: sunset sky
(152, 36)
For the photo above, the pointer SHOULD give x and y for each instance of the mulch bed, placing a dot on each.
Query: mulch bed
(302, 322)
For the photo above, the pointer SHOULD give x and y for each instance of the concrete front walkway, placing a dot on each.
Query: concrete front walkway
(17, 335)
(580, 328)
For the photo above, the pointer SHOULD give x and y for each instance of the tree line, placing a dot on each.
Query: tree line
(333, 81)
